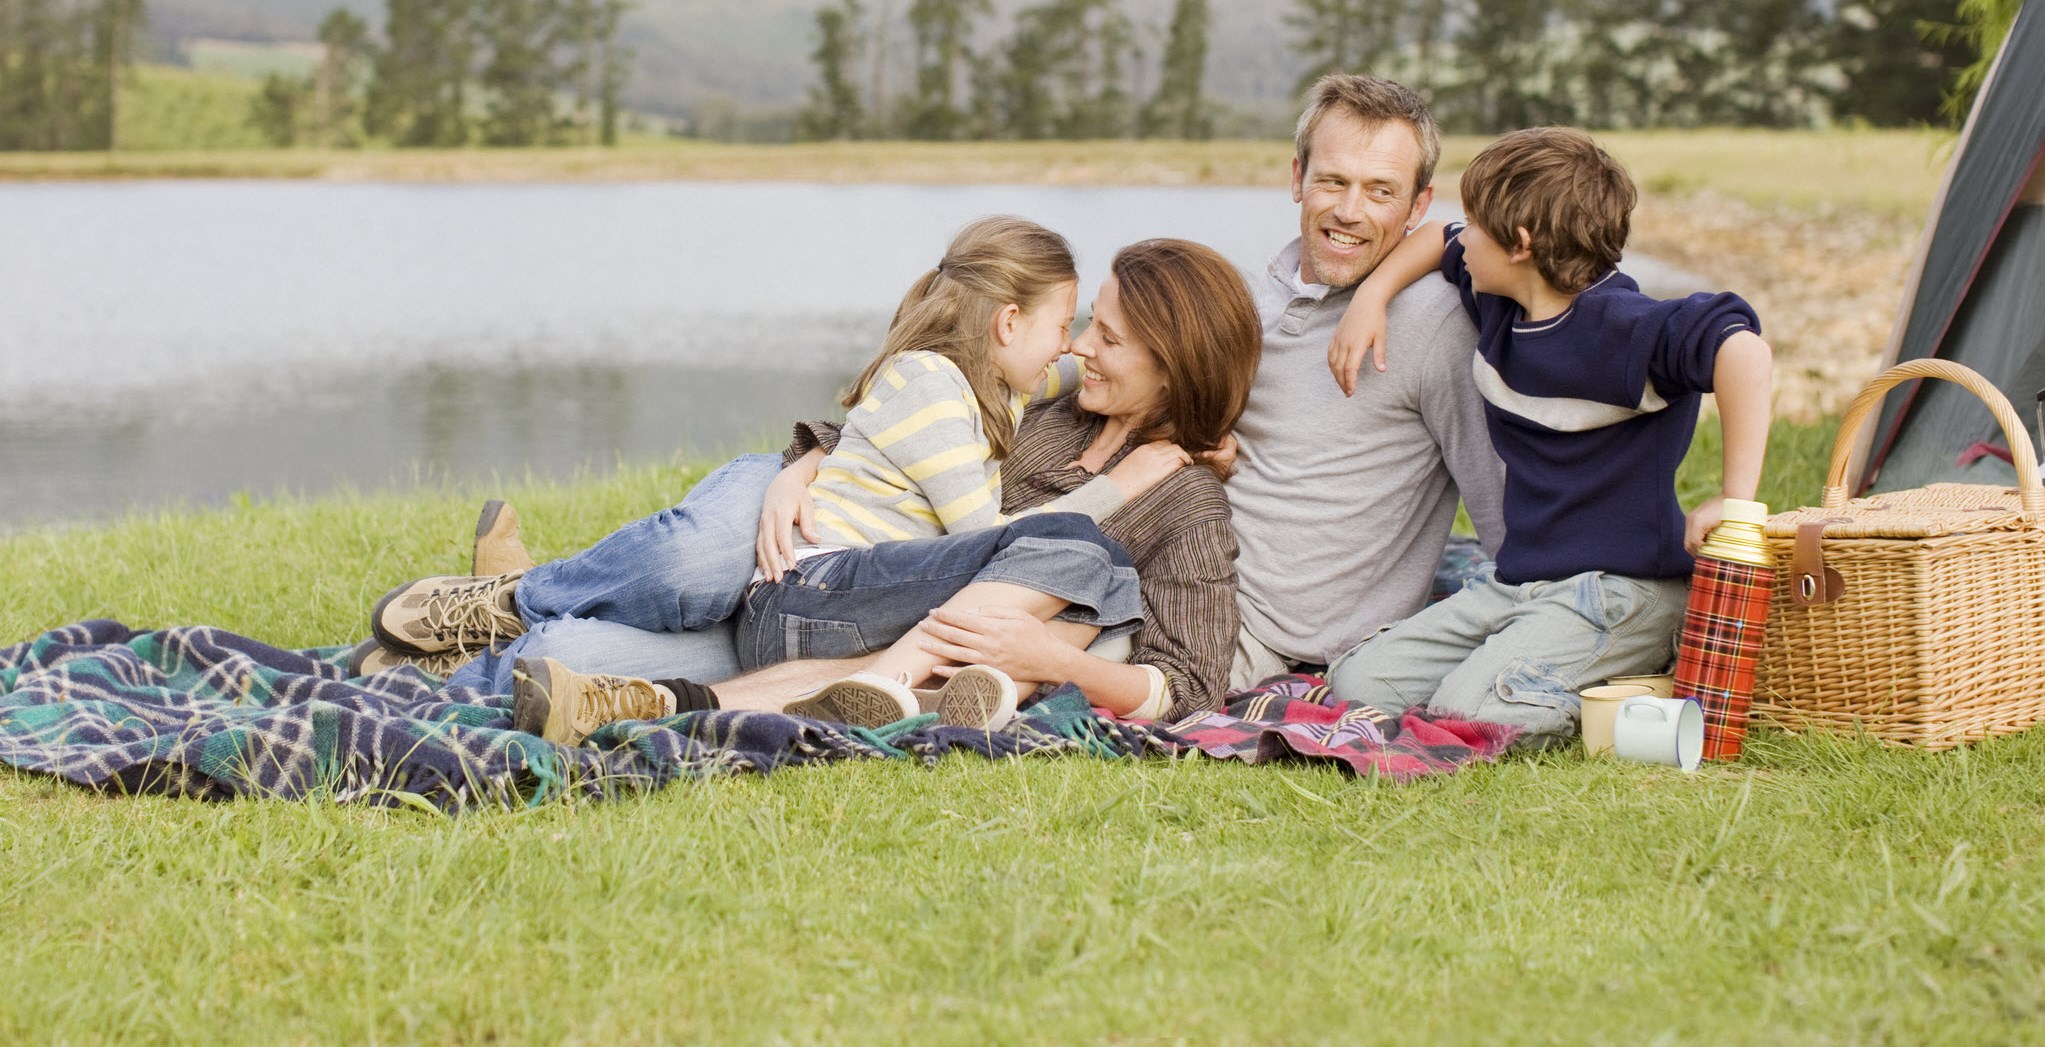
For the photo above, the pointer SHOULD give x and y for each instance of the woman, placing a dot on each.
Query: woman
(1169, 356)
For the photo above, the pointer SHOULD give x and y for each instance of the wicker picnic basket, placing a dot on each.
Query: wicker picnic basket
(1924, 624)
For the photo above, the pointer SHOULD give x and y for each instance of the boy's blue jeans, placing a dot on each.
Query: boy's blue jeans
(1517, 654)
(653, 598)
(855, 602)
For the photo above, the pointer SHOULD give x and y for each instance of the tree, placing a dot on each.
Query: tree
(1504, 48)
(115, 25)
(1341, 36)
(1984, 24)
(344, 38)
(1177, 109)
(520, 74)
(943, 29)
(418, 94)
(834, 110)
(274, 111)
(42, 76)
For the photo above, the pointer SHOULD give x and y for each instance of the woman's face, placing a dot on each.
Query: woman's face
(1033, 338)
(1123, 379)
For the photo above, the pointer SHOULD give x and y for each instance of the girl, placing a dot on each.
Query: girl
(973, 342)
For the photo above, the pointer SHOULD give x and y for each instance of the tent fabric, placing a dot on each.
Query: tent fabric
(1979, 299)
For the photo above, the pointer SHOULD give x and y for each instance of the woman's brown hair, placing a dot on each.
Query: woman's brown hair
(950, 310)
(1191, 309)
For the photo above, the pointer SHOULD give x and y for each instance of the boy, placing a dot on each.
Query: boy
(1591, 393)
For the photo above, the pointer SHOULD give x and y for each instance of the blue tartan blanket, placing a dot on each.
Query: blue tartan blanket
(203, 712)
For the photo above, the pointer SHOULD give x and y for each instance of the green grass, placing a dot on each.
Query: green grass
(165, 108)
(1823, 890)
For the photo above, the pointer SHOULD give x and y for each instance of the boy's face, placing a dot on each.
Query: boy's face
(1356, 196)
(1489, 263)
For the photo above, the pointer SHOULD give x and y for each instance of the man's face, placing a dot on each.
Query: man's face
(1356, 196)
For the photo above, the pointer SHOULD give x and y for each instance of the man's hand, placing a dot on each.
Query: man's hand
(1700, 522)
(788, 506)
(1223, 456)
(1361, 334)
(1013, 641)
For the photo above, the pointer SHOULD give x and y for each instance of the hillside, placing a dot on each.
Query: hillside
(755, 53)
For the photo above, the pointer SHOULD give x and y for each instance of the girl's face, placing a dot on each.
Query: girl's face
(1122, 378)
(1026, 341)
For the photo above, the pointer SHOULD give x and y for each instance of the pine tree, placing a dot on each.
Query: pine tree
(275, 110)
(615, 68)
(943, 30)
(1341, 36)
(520, 74)
(1177, 109)
(115, 26)
(418, 95)
(344, 39)
(834, 110)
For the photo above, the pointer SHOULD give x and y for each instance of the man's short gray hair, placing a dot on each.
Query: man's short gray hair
(1373, 100)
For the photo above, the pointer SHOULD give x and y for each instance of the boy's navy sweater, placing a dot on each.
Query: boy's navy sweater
(1592, 411)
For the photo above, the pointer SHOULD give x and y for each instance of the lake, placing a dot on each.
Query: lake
(165, 342)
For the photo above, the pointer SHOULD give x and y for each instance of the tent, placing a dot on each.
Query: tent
(1977, 293)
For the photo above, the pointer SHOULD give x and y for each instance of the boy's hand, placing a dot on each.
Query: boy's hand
(1360, 334)
(1700, 522)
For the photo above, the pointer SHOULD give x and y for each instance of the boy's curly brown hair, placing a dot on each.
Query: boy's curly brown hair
(1572, 198)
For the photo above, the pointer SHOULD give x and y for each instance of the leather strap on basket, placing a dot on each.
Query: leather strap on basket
(1811, 583)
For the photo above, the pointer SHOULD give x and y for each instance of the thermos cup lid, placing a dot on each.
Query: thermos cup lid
(1740, 510)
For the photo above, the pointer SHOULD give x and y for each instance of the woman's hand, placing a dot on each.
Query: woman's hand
(1148, 465)
(1015, 642)
(787, 507)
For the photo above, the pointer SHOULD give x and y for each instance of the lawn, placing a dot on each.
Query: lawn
(1823, 890)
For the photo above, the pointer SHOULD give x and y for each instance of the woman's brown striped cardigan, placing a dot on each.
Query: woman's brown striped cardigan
(1177, 534)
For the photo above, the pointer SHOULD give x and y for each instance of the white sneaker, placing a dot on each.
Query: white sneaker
(975, 696)
(859, 700)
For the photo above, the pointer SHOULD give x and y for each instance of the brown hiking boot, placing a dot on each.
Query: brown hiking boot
(371, 657)
(564, 706)
(975, 696)
(448, 613)
(500, 549)
(859, 700)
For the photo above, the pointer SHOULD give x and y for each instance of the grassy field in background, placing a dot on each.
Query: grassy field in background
(1886, 172)
(1823, 890)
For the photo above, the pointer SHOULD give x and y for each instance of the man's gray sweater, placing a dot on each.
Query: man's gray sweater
(1342, 505)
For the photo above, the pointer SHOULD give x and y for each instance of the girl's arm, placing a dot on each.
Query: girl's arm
(1362, 330)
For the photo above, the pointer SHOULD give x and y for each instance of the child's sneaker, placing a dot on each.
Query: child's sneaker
(859, 700)
(975, 696)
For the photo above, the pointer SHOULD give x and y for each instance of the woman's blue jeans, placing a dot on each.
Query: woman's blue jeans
(653, 598)
(857, 601)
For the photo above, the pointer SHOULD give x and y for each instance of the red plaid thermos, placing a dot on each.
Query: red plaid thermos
(1722, 629)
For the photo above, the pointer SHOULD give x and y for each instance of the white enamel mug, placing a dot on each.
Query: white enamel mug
(1667, 731)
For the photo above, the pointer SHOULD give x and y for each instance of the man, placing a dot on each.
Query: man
(1343, 500)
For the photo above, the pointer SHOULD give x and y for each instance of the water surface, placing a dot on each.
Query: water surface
(183, 341)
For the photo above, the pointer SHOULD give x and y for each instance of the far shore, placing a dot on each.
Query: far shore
(1886, 172)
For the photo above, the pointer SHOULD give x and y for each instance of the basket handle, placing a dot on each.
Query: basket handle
(2032, 494)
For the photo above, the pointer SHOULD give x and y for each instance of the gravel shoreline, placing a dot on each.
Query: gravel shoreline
(1827, 284)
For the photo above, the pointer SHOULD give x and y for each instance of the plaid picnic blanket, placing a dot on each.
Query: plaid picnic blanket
(1298, 717)
(203, 712)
